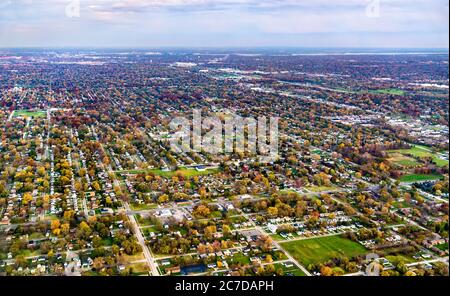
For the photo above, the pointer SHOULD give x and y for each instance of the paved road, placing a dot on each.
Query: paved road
(260, 229)
(443, 260)
(11, 115)
(148, 255)
(425, 194)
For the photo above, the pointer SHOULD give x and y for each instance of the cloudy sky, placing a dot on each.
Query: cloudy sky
(218, 23)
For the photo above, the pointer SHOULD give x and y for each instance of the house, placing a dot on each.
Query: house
(272, 228)
(165, 213)
(200, 168)
(165, 262)
(172, 270)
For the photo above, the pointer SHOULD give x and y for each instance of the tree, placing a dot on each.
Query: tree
(84, 230)
(402, 268)
(96, 186)
(82, 172)
(64, 180)
(226, 229)
(115, 249)
(326, 271)
(202, 211)
(272, 211)
(98, 263)
(55, 224)
(209, 231)
(65, 228)
(27, 198)
(68, 215)
(163, 198)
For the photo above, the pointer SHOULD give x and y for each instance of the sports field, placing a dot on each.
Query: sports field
(318, 250)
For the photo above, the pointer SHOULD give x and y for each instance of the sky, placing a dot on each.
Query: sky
(225, 23)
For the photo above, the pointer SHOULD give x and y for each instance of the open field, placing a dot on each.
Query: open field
(29, 113)
(443, 247)
(138, 269)
(318, 250)
(142, 207)
(188, 173)
(320, 188)
(389, 91)
(395, 259)
(421, 152)
(403, 160)
(289, 271)
(419, 177)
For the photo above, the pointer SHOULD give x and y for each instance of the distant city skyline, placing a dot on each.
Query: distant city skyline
(224, 23)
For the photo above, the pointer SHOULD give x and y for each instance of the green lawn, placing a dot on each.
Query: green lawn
(277, 237)
(401, 205)
(320, 188)
(30, 113)
(388, 91)
(188, 173)
(289, 270)
(137, 269)
(422, 151)
(440, 162)
(318, 250)
(402, 159)
(419, 177)
(408, 162)
(142, 207)
(443, 247)
(147, 230)
(395, 259)
(239, 258)
(418, 151)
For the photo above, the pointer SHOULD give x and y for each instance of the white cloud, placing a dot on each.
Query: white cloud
(262, 20)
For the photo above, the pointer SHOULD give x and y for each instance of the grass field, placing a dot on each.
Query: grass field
(402, 159)
(138, 269)
(395, 259)
(440, 162)
(188, 173)
(142, 207)
(421, 151)
(388, 91)
(29, 113)
(318, 250)
(320, 188)
(443, 247)
(289, 270)
(419, 177)
(408, 162)
(240, 258)
(401, 205)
